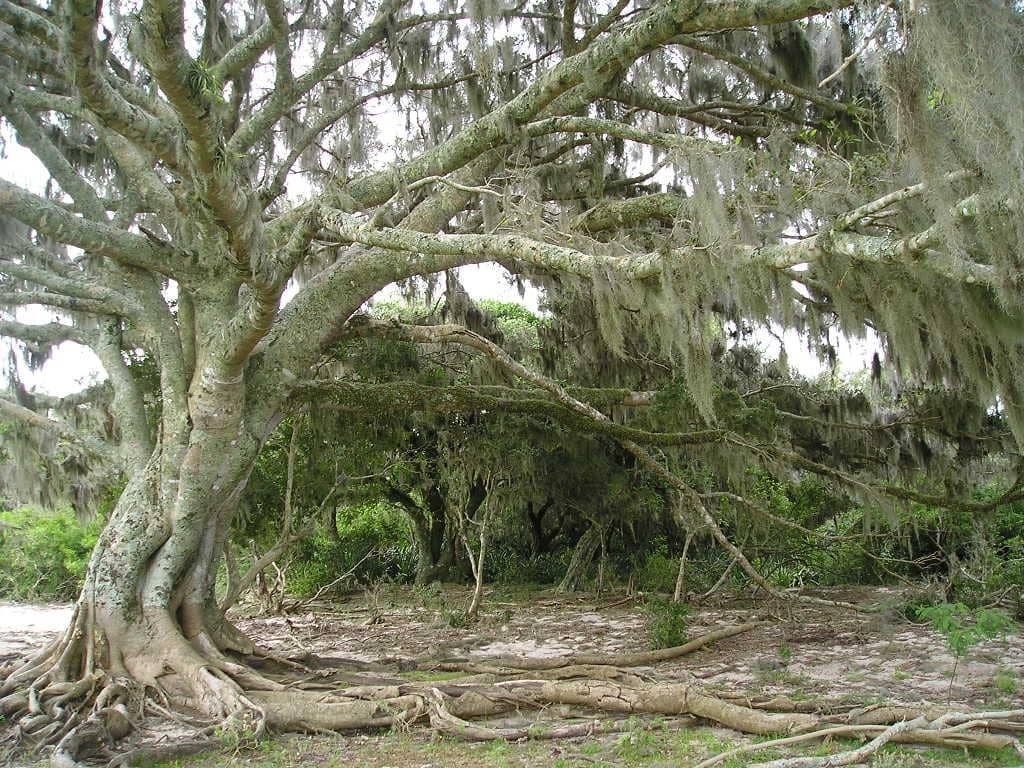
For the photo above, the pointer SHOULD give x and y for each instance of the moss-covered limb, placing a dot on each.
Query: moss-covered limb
(282, 48)
(764, 76)
(412, 397)
(69, 283)
(1015, 493)
(38, 58)
(456, 250)
(601, 26)
(598, 396)
(10, 410)
(56, 300)
(918, 249)
(27, 18)
(137, 167)
(889, 199)
(881, 427)
(30, 134)
(935, 500)
(225, 194)
(128, 404)
(634, 96)
(436, 252)
(44, 334)
(111, 107)
(99, 238)
(606, 58)
(330, 61)
(326, 303)
(612, 214)
(619, 130)
(243, 54)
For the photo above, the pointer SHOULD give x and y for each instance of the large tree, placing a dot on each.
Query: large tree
(804, 163)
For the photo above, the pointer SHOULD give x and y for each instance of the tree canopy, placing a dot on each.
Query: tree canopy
(231, 182)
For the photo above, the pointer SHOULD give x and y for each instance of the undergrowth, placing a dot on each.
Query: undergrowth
(44, 553)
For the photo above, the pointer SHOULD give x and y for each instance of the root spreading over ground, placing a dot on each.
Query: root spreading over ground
(500, 691)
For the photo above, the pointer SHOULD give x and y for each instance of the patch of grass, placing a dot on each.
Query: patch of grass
(637, 746)
(457, 619)
(426, 676)
(1005, 681)
(782, 676)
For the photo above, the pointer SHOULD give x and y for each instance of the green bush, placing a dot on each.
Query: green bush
(657, 573)
(378, 526)
(506, 565)
(666, 623)
(45, 553)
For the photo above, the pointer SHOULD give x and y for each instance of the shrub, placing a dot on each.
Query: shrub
(657, 573)
(506, 565)
(964, 628)
(666, 623)
(45, 553)
(377, 527)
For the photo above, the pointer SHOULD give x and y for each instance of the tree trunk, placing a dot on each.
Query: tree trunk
(581, 557)
(680, 593)
(147, 615)
(535, 516)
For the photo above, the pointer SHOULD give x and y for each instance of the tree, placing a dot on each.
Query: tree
(827, 168)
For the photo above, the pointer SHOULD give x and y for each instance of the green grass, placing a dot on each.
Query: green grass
(1006, 682)
(427, 676)
(641, 747)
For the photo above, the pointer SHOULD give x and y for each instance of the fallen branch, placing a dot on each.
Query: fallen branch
(638, 659)
(846, 758)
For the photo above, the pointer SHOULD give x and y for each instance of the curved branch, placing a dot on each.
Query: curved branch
(411, 397)
(58, 300)
(47, 333)
(474, 248)
(101, 239)
(11, 410)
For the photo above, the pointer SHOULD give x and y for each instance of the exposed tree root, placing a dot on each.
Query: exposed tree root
(913, 734)
(84, 717)
(852, 756)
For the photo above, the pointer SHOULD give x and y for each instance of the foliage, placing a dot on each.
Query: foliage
(666, 622)
(375, 527)
(44, 552)
(964, 628)
(657, 572)
(506, 564)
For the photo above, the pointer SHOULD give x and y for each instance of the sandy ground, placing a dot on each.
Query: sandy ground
(24, 627)
(806, 650)
(807, 653)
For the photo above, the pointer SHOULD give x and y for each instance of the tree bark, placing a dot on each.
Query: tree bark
(581, 557)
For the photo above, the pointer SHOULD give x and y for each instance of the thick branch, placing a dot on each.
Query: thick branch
(101, 239)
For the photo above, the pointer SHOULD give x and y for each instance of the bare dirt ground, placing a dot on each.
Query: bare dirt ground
(810, 654)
